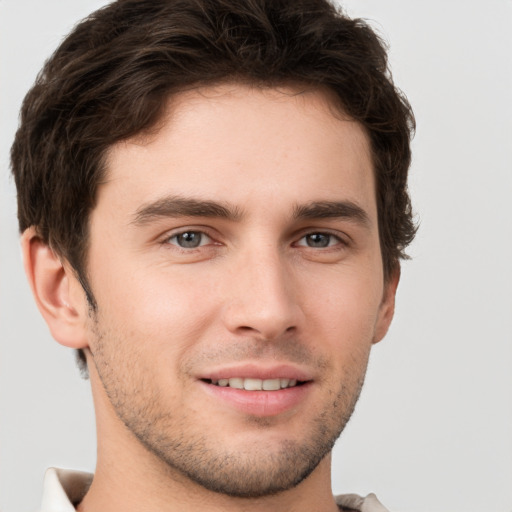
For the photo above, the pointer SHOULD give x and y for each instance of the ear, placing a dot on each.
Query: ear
(387, 306)
(56, 290)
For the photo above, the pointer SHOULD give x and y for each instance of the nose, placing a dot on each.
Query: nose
(261, 299)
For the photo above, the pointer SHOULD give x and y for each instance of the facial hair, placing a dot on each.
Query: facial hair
(190, 450)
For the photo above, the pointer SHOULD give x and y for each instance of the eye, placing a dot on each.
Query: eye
(319, 240)
(189, 239)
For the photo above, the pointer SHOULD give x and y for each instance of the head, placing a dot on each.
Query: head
(125, 76)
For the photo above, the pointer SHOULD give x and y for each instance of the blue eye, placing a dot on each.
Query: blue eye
(189, 239)
(319, 240)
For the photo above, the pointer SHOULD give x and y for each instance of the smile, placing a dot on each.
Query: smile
(250, 384)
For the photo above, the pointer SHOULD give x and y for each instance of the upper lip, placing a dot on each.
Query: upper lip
(257, 371)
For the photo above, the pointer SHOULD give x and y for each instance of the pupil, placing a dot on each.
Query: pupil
(318, 240)
(189, 239)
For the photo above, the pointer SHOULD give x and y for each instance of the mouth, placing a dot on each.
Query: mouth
(251, 384)
(262, 397)
(260, 389)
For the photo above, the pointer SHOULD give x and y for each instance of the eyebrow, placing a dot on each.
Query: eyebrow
(174, 206)
(332, 210)
(177, 206)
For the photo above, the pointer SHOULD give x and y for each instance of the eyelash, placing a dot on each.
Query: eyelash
(330, 236)
(188, 232)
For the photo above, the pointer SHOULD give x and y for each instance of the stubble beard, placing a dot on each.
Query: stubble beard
(252, 472)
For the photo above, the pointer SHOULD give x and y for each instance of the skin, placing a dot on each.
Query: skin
(273, 283)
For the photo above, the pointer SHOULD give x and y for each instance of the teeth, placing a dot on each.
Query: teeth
(253, 384)
(236, 383)
(256, 384)
(271, 384)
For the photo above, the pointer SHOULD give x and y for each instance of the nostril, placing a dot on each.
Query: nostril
(262, 333)
(246, 328)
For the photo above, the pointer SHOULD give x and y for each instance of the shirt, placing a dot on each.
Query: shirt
(63, 488)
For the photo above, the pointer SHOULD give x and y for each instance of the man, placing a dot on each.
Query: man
(213, 202)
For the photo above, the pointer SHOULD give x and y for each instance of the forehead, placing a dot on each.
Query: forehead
(234, 142)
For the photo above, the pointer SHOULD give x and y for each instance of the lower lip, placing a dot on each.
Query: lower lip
(260, 403)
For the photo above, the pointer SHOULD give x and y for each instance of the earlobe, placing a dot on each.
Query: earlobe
(52, 285)
(387, 307)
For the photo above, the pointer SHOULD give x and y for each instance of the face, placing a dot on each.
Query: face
(235, 261)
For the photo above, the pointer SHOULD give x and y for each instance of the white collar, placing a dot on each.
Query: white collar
(62, 488)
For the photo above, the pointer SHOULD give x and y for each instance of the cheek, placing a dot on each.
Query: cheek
(345, 306)
(163, 311)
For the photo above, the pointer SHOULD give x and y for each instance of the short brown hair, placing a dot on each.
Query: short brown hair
(111, 77)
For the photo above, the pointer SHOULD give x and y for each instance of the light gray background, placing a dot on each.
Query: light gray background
(433, 429)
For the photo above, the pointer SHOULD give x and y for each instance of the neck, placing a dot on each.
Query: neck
(129, 488)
